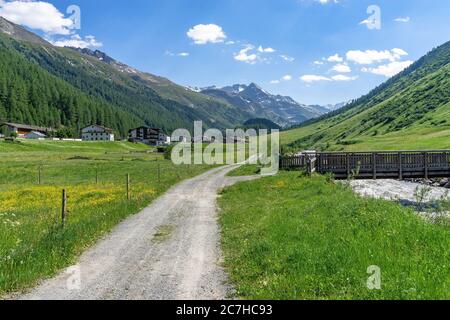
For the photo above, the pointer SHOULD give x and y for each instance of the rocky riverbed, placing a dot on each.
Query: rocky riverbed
(425, 197)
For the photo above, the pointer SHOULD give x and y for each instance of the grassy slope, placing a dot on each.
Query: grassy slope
(245, 170)
(191, 105)
(410, 111)
(32, 243)
(421, 136)
(287, 237)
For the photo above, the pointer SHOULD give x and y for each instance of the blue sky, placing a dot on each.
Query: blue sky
(317, 51)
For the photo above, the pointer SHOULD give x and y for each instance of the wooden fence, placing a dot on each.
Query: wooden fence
(375, 165)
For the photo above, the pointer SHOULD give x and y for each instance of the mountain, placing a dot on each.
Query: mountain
(138, 97)
(409, 111)
(337, 106)
(259, 123)
(254, 100)
(20, 33)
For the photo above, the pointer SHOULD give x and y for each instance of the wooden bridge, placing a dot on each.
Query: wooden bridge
(373, 165)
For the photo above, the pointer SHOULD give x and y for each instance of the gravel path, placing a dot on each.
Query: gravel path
(170, 250)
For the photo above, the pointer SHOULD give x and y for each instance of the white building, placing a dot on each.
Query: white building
(163, 139)
(97, 133)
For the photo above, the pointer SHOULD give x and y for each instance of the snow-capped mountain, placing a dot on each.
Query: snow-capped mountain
(282, 110)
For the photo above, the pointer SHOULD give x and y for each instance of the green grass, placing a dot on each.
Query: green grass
(246, 170)
(32, 243)
(291, 237)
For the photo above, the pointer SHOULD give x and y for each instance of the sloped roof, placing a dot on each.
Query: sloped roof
(155, 130)
(40, 134)
(99, 126)
(27, 127)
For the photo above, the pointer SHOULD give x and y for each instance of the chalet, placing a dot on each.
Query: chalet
(150, 136)
(97, 132)
(23, 129)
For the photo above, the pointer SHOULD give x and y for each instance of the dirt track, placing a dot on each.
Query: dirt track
(170, 250)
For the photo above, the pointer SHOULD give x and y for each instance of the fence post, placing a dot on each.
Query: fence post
(39, 174)
(374, 161)
(400, 164)
(64, 208)
(425, 160)
(309, 166)
(348, 165)
(159, 173)
(128, 187)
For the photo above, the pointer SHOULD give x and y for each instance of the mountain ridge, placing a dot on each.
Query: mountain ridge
(252, 98)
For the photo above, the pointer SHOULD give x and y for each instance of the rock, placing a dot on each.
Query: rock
(447, 185)
(443, 182)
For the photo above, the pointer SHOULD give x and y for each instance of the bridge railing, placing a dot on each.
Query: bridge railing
(383, 164)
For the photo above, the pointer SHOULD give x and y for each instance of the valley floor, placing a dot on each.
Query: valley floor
(170, 250)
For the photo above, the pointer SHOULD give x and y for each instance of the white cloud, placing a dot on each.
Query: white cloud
(250, 54)
(287, 58)
(327, 1)
(77, 42)
(399, 53)
(341, 77)
(206, 33)
(342, 68)
(180, 54)
(310, 78)
(373, 56)
(366, 22)
(287, 77)
(265, 50)
(403, 19)
(335, 58)
(245, 56)
(229, 43)
(389, 70)
(318, 63)
(37, 15)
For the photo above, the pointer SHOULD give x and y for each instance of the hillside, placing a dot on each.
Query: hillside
(127, 96)
(409, 111)
(29, 94)
(259, 124)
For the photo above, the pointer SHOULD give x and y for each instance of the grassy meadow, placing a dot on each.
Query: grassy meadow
(294, 237)
(33, 245)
